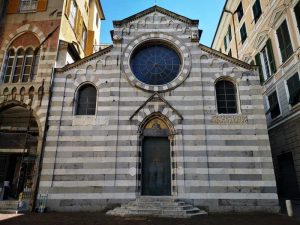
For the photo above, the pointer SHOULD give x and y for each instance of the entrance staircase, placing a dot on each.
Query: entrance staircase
(10, 206)
(157, 206)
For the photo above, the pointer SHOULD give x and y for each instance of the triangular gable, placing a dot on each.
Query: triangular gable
(86, 59)
(227, 58)
(118, 23)
(160, 98)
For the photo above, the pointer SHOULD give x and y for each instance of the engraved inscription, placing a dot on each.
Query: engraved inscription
(230, 119)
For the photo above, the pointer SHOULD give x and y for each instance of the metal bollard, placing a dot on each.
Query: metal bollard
(289, 208)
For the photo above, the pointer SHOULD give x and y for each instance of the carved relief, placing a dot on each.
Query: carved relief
(140, 24)
(147, 21)
(229, 119)
(170, 24)
(14, 93)
(195, 35)
(163, 20)
(179, 28)
(22, 94)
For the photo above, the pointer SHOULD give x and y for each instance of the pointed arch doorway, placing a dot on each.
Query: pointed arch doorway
(156, 158)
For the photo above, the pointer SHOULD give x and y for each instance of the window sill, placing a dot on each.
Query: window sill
(28, 11)
(89, 120)
(288, 61)
(276, 119)
(294, 107)
(84, 120)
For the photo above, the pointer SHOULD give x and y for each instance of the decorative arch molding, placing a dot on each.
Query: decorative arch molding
(20, 31)
(170, 124)
(260, 39)
(156, 107)
(35, 112)
(276, 15)
(168, 40)
(82, 80)
(230, 77)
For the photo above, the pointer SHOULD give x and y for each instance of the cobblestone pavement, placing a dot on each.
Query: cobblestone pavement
(99, 218)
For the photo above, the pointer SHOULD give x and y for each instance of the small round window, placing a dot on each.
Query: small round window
(155, 64)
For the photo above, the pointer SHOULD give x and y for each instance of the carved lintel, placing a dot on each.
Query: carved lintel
(230, 119)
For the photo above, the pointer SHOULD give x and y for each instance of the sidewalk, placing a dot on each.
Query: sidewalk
(97, 218)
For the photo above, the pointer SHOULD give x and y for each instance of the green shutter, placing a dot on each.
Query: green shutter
(294, 89)
(258, 63)
(271, 56)
(297, 13)
(229, 33)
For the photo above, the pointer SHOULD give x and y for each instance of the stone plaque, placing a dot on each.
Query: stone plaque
(229, 119)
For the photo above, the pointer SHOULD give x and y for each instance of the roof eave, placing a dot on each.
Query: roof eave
(83, 60)
(219, 23)
(118, 23)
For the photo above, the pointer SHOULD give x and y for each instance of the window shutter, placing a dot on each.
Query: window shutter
(271, 56)
(258, 63)
(89, 42)
(294, 89)
(13, 6)
(281, 42)
(68, 6)
(284, 40)
(287, 40)
(79, 25)
(42, 5)
(297, 13)
(225, 43)
(229, 33)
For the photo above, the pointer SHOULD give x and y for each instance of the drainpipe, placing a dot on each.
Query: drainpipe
(235, 40)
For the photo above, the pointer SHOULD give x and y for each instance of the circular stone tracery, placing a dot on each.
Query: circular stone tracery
(155, 64)
(157, 39)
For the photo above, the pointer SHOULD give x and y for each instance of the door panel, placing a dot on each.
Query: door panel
(288, 187)
(156, 166)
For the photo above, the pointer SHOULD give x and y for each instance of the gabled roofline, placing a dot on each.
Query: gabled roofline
(102, 17)
(162, 99)
(86, 59)
(219, 23)
(118, 23)
(227, 58)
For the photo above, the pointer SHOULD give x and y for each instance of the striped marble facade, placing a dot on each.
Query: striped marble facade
(221, 162)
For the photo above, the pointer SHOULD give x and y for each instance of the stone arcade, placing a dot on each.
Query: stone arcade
(158, 114)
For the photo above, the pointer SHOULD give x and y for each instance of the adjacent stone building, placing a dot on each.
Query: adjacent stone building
(267, 33)
(35, 37)
(157, 114)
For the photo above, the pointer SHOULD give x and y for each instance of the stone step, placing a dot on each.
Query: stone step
(157, 206)
(7, 205)
(160, 207)
(155, 198)
(9, 211)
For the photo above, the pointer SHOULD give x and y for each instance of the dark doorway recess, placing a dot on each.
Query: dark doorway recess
(156, 166)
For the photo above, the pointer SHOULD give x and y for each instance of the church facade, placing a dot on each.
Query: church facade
(157, 114)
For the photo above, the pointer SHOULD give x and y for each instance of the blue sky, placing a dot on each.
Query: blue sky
(206, 11)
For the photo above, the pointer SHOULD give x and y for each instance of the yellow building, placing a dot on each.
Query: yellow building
(267, 33)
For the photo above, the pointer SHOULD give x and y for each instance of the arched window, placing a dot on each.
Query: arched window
(18, 66)
(8, 65)
(27, 65)
(86, 101)
(226, 97)
(21, 66)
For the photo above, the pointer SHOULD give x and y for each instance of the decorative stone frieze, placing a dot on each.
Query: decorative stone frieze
(229, 119)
